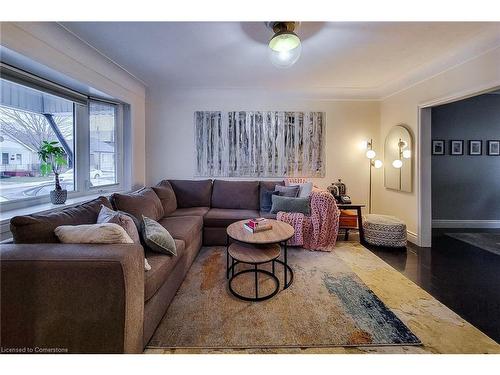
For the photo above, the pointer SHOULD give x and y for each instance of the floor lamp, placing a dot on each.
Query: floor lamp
(374, 163)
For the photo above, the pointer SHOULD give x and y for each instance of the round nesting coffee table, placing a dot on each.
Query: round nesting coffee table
(243, 241)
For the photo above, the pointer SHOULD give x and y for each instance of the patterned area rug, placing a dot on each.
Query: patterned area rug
(327, 305)
(486, 241)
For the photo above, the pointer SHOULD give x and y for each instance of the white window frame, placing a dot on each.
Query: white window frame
(81, 124)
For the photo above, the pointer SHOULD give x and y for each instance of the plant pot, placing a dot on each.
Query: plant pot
(58, 196)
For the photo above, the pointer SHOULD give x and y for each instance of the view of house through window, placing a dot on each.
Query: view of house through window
(27, 118)
(102, 144)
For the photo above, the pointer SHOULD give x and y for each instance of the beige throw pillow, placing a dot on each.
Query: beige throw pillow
(107, 215)
(93, 233)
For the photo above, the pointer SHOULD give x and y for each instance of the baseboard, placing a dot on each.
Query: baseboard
(466, 223)
(412, 237)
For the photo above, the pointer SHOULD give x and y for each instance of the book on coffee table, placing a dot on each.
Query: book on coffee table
(257, 225)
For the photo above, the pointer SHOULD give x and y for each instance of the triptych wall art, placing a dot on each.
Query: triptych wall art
(260, 143)
(457, 147)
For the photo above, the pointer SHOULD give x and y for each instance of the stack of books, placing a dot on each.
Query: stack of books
(259, 224)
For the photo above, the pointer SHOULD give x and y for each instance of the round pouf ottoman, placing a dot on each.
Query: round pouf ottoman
(383, 230)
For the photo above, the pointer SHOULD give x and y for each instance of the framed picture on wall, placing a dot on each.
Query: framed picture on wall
(438, 147)
(475, 147)
(493, 148)
(456, 147)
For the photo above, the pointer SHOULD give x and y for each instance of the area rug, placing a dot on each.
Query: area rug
(327, 305)
(486, 241)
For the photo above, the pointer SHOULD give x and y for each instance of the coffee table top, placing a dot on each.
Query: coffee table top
(280, 232)
(254, 254)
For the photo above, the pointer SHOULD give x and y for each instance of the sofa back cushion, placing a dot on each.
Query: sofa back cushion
(167, 197)
(141, 202)
(270, 185)
(192, 193)
(39, 228)
(236, 194)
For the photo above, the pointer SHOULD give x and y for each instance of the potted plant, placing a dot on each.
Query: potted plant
(53, 159)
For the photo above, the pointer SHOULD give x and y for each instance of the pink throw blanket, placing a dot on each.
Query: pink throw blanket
(318, 231)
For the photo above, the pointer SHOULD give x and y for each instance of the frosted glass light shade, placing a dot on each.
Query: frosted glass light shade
(377, 164)
(407, 154)
(397, 163)
(284, 49)
(370, 154)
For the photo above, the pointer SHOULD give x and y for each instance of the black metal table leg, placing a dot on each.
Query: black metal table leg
(256, 283)
(286, 268)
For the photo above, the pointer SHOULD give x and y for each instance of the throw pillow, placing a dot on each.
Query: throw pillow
(265, 199)
(141, 202)
(107, 215)
(305, 189)
(107, 233)
(157, 238)
(288, 204)
(287, 191)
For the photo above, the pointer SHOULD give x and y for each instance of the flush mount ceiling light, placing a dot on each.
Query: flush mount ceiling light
(285, 46)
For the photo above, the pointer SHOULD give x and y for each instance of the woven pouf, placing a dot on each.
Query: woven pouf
(382, 230)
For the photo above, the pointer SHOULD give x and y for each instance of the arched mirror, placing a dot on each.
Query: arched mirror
(398, 157)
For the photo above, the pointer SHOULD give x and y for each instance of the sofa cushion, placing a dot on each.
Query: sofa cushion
(288, 191)
(185, 228)
(161, 266)
(141, 202)
(192, 193)
(222, 217)
(236, 194)
(191, 211)
(270, 185)
(126, 221)
(167, 197)
(39, 228)
(265, 199)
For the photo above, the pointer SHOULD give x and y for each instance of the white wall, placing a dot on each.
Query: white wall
(50, 44)
(170, 131)
(471, 77)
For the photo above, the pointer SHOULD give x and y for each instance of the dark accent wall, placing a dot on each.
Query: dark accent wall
(466, 187)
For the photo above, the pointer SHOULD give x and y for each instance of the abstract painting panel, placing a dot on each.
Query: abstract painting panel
(260, 144)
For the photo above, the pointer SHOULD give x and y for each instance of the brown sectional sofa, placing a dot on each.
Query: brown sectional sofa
(97, 298)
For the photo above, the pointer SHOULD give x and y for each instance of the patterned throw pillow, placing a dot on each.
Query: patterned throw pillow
(287, 191)
(157, 238)
(107, 215)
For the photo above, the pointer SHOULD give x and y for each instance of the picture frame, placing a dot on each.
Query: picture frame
(456, 147)
(475, 147)
(494, 147)
(438, 147)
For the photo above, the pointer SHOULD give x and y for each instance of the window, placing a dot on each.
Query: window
(102, 144)
(87, 129)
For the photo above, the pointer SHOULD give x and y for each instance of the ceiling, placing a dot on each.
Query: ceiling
(345, 59)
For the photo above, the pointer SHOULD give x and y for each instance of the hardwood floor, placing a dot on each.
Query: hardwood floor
(463, 277)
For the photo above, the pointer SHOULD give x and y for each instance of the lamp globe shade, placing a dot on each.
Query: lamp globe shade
(397, 163)
(377, 164)
(406, 154)
(284, 49)
(370, 154)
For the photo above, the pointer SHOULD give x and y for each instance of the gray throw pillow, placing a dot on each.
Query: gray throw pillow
(288, 204)
(157, 238)
(287, 191)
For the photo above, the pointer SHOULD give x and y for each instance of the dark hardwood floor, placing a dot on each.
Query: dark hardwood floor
(463, 277)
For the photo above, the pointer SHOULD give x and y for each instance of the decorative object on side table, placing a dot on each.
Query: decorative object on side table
(338, 190)
(53, 159)
(493, 148)
(456, 147)
(475, 147)
(438, 147)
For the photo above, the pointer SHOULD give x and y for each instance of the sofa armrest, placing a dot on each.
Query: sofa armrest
(72, 297)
